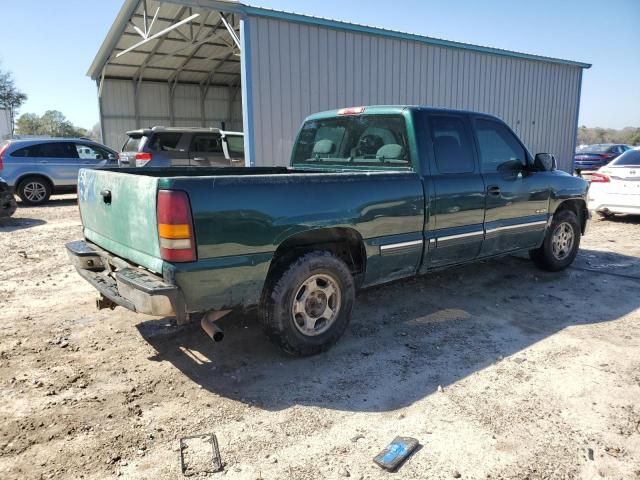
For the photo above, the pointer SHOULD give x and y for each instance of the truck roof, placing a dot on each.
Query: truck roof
(393, 109)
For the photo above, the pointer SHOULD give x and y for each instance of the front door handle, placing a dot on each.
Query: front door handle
(199, 159)
(493, 190)
(44, 161)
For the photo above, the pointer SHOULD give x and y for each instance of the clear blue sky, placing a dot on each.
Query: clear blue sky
(50, 45)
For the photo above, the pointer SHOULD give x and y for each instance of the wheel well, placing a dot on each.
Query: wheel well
(344, 243)
(37, 175)
(579, 207)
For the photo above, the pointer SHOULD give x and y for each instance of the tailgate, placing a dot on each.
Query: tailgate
(118, 213)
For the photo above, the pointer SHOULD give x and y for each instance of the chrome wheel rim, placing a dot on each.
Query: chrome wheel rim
(35, 191)
(316, 304)
(562, 241)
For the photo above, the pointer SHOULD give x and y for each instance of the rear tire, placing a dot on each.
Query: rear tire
(306, 305)
(34, 190)
(561, 243)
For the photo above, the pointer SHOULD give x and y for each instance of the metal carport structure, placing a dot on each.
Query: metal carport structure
(204, 62)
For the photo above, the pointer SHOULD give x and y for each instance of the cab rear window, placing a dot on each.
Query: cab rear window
(353, 141)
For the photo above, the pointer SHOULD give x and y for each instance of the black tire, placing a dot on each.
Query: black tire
(544, 257)
(287, 283)
(34, 190)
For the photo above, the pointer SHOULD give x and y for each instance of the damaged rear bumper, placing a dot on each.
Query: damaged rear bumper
(123, 284)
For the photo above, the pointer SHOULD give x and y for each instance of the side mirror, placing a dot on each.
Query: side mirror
(545, 162)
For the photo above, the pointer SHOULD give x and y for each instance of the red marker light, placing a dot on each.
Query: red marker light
(351, 111)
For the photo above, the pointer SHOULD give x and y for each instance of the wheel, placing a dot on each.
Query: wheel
(34, 190)
(561, 243)
(306, 305)
(606, 215)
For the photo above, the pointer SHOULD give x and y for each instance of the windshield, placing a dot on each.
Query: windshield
(628, 158)
(358, 140)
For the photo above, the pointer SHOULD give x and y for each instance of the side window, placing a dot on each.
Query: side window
(167, 141)
(206, 144)
(235, 144)
(88, 152)
(58, 150)
(451, 144)
(499, 148)
(30, 151)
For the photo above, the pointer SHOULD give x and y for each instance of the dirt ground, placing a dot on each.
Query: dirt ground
(500, 371)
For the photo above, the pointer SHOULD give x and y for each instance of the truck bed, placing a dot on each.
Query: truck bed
(241, 216)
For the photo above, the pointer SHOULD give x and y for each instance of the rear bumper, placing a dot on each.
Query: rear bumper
(613, 207)
(124, 284)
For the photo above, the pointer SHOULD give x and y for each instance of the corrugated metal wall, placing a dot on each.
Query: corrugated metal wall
(298, 69)
(119, 113)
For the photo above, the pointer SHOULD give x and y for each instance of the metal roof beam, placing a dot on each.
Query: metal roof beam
(139, 73)
(176, 75)
(159, 34)
(178, 55)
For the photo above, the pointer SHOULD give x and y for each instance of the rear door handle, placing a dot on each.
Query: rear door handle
(493, 190)
(199, 159)
(44, 161)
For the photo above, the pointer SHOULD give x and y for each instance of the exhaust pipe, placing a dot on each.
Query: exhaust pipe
(208, 325)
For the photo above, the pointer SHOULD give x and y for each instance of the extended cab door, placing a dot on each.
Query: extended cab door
(454, 227)
(517, 198)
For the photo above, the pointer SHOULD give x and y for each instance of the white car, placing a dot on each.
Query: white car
(615, 188)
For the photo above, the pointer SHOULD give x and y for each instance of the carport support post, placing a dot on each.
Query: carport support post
(136, 106)
(171, 113)
(247, 95)
(203, 97)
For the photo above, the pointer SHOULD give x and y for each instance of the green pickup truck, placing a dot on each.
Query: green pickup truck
(373, 194)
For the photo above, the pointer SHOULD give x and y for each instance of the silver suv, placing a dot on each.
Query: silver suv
(179, 147)
(37, 168)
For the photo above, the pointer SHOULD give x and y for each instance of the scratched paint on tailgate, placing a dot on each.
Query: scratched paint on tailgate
(119, 214)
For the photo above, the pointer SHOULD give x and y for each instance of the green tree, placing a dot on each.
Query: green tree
(29, 124)
(96, 133)
(11, 98)
(52, 123)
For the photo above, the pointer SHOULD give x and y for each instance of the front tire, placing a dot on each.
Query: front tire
(306, 305)
(34, 190)
(561, 243)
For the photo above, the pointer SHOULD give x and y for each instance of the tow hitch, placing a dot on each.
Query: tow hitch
(103, 302)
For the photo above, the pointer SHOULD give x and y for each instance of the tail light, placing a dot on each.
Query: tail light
(175, 227)
(600, 178)
(142, 158)
(2, 150)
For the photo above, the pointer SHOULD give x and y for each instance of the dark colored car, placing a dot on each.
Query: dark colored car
(183, 146)
(7, 200)
(592, 157)
(373, 194)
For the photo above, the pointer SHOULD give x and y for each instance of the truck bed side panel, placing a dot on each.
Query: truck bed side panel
(241, 221)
